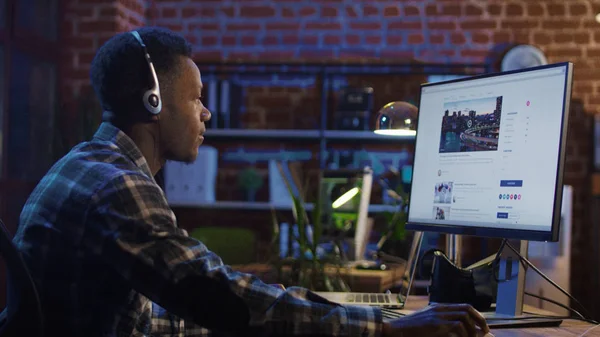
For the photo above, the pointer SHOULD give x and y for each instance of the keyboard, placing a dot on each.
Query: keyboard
(368, 298)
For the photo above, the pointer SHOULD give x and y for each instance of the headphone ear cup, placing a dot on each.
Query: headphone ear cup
(152, 102)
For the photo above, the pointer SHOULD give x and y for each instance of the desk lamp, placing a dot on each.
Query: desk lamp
(397, 119)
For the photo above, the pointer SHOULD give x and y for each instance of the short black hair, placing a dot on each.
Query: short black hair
(119, 72)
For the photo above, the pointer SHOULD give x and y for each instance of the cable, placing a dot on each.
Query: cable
(558, 304)
(547, 278)
(588, 330)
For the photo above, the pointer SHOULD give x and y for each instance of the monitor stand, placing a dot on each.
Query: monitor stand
(509, 301)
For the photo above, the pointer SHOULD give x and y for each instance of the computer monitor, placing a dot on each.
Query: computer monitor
(489, 154)
(489, 160)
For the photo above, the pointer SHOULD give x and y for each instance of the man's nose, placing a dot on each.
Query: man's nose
(205, 115)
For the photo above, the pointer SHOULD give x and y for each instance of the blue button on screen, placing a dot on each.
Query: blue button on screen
(502, 215)
(511, 183)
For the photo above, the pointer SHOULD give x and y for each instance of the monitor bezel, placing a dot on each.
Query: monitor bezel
(521, 234)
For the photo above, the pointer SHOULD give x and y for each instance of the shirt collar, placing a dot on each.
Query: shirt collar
(110, 133)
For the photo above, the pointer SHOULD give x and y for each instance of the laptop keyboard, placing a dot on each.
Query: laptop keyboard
(368, 298)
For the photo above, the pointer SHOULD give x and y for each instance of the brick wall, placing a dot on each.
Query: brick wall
(329, 30)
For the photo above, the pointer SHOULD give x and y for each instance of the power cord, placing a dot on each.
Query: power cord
(581, 317)
(526, 263)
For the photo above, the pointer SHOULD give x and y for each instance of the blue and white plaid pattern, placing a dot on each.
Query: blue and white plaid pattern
(109, 260)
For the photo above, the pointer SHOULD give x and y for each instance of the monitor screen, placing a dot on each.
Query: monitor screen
(489, 154)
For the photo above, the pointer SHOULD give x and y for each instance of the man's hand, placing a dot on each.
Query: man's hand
(459, 320)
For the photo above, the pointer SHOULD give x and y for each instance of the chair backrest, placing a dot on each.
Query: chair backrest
(23, 313)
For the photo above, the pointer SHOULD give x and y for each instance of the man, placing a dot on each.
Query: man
(103, 245)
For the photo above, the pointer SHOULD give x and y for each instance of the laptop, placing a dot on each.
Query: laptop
(386, 300)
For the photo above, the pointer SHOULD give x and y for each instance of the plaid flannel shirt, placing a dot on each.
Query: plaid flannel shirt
(108, 259)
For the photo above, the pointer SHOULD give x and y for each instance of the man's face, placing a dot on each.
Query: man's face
(183, 116)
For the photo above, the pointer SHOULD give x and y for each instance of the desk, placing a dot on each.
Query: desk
(358, 280)
(568, 328)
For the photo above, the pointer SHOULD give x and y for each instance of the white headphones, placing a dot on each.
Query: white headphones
(152, 100)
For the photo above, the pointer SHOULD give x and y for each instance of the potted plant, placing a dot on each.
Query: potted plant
(250, 181)
(311, 269)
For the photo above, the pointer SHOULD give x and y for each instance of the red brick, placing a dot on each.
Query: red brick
(457, 39)
(482, 54)
(391, 11)
(412, 11)
(202, 26)
(437, 39)
(397, 55)
(85, 58)
(257, 12)
(288, 13)
(352, 39)
(394, 40)
(290, 39)
(494, 9)
(310, 40)
(578, 9)
(351, 12)
(483, 24)
(212, 40)
(473, 10)
(542, 38)
(373, 40)
(190, 12)
(593, 52)
(441, 25)
(415, 39)
(316, 54)
(329, 12)
(248, 41)
(447, 53)
(243, 26)
(452, 10)
(96, 26)
(79, 43)
(276, 55)
(308, 11)
(565, 52)
(480, 38)
(556, 9)
(556, 24)
(370, 11)
(563, 37)
(431, 10)
(365, 25)
(535, 10)
(111, 11)
(228, 40)
(332, 40)
(323, 25)
(519, 24)
(404, 25)
(582, 38)
(228, 11)
(514, 9)
(241, 56)
(270, 40)
(283, 26)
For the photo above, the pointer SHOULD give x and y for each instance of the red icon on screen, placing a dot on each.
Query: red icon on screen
(511, 197)
(528, 103)
(519, 197)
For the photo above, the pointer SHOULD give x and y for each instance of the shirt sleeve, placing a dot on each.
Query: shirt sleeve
(135, 232)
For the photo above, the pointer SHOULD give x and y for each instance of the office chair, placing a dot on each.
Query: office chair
(23, 313)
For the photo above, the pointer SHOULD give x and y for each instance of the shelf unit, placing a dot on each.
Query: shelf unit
(266, 206)
(301, 135)
(324, 75)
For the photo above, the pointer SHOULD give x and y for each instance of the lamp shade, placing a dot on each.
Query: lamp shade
(397, 119)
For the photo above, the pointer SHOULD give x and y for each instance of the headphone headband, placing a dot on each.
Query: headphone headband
(152, 100)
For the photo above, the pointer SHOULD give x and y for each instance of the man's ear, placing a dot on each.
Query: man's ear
(155, 118)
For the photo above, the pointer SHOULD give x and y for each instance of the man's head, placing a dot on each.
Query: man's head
(120, 75)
